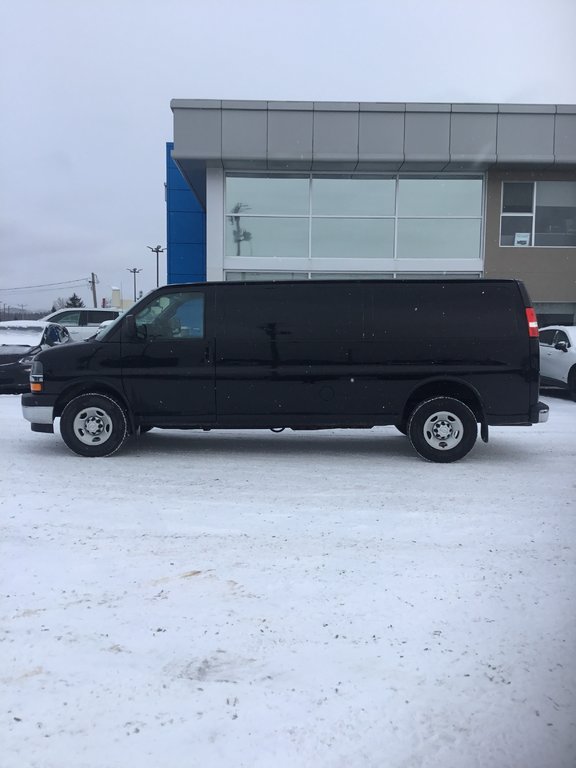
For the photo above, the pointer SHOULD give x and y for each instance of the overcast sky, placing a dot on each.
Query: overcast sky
(85, 90)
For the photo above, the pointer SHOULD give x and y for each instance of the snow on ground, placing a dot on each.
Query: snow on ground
(322, 600)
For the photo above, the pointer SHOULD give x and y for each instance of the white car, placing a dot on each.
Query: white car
(558, 357)
(80, 321)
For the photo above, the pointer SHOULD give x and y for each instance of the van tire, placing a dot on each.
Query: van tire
(93, 425)
(442, 429)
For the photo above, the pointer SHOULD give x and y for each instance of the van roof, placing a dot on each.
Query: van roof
(367, 281)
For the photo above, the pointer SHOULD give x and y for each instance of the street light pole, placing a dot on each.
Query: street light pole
(134, 273)
(157, 250)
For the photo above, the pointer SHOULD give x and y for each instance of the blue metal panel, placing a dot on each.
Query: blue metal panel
(184, 200)
(185, 226)
(188, 277)
(188, 257)
(175, 180)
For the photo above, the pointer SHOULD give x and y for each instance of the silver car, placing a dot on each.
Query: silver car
(558, 357)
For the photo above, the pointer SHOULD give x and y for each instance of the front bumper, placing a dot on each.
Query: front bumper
(38, 410)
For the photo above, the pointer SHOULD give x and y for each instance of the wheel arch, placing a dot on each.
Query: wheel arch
(98, 388)
(456, 388)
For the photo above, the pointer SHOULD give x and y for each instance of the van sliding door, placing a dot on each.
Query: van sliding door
(286, 351)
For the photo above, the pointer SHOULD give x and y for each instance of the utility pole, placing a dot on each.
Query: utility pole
(158, 250)
(92, 283)
(134, 271)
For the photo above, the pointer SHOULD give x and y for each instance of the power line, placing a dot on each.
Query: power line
(64, 284)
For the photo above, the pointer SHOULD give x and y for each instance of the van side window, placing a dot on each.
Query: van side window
(173, 316)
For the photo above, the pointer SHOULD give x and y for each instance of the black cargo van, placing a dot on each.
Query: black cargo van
(435, 358)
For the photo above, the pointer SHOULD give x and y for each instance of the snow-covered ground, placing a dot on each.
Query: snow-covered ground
(301, 600)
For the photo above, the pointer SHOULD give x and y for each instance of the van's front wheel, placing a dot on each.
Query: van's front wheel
(442, 429)
(93, 425)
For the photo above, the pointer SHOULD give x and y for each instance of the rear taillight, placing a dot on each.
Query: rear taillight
(532, 322)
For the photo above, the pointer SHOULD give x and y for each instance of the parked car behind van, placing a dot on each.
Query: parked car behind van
(558, 357)
(20, 342)
(82, 323)
(434, 358)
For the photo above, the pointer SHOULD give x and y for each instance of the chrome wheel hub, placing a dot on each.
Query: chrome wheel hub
(92, 425)
(443, 430)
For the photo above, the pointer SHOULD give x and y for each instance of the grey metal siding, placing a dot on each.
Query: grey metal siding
(354, 136)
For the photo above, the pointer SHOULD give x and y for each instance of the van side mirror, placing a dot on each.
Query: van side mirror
(561, 345)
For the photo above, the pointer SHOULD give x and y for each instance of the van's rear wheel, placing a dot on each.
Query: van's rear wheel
(442, 429)
(93, 425)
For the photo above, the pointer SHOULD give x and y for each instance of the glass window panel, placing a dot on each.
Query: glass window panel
(555, 214)
(546, 337)
(439, 275)
(516, 230)
(263, 276)
(351, 275)
(98, 316)
(67, 318)
(517, 197)
(561, 336)
(270, 236)
(438, 239)
(267, 195)
(353, 197)
(352, 238)
(440, 197)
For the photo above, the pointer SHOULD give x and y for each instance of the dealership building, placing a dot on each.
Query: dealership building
(260, 190)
